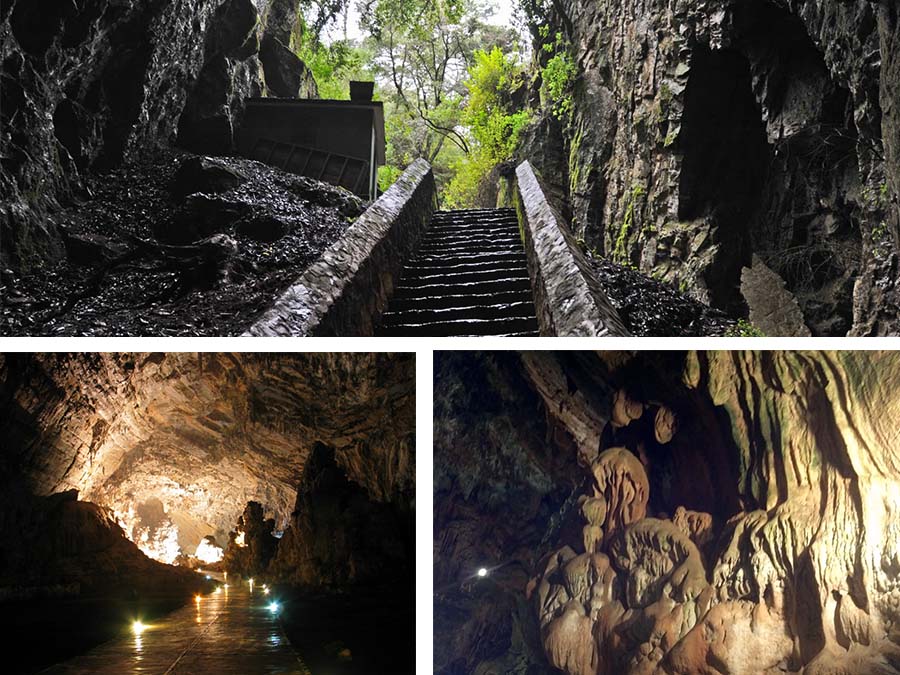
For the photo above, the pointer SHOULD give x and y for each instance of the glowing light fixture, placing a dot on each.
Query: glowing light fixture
(274, 607)
(482, 572)
(266, 591)
(197, 599)
(218, 589)
(138, 627)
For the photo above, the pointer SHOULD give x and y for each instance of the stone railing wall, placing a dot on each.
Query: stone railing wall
(568, 298)
(346, 290)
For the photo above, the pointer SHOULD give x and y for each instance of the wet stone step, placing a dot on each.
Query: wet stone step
(469, 276)
(500, 285)
(439, 247)
(413, 279)
(472, 327)
(443, 259)
(420, 301)
(450, 266)
(513, 310)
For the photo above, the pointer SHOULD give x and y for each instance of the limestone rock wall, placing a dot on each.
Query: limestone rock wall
(195, 436)
(732, 513)
(705, 132)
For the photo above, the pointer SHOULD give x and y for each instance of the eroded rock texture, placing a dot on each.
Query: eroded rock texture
(759, 537)
(177, 444)
(88, 85)
(704, 133)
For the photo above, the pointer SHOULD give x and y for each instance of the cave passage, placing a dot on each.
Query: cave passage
(268, 496)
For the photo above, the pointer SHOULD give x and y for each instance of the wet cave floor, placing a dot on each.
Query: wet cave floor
(364, 633)
(143, 260)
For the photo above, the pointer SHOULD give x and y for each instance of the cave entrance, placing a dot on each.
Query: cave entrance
(769, 150)
(725, 162)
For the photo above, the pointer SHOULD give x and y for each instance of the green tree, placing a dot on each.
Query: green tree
(493, 118)
(422, 53)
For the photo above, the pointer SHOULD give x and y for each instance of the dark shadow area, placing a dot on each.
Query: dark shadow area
(365, 631)
(48, 630)
(724, 164)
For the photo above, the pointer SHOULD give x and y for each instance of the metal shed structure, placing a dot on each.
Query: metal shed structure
(340, 142)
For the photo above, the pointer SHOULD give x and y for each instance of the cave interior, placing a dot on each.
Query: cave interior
(666, 512)
(132, 482)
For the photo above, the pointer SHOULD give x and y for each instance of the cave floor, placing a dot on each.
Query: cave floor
(234, 633)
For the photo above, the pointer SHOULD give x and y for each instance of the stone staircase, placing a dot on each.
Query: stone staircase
(468, 277)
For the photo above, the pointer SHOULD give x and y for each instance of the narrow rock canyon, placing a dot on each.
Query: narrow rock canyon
(666, 512)
(124, 475)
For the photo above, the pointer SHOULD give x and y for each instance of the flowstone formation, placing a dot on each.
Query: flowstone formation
(726, 513)
(807, 582)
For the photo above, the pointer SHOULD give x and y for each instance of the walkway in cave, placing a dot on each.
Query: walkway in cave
(468, 277)
(225, 633)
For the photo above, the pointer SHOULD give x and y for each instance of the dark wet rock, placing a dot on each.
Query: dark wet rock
(168, 280)
(264, 229)
(229, 75)
(86, 85)
(201, 216)
(286, 75)
(89, 86)
(204, 174)
(703, 133)
(649, 307)
(339, 534)
(250, 555)
(89, 248)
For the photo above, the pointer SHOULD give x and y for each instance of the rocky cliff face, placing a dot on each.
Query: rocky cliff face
(703, 133)
(725, 512)
(177, 444)
(339, 535)
(89, 85)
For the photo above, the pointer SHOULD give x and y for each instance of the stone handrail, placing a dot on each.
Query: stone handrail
(345, 291)
(567, 296)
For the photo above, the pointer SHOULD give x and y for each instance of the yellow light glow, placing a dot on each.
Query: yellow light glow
(138, 627)
(218, 589)
(266, 591)
(197, 599)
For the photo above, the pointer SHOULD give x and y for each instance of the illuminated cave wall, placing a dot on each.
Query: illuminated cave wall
(712, 512)
(176, 444)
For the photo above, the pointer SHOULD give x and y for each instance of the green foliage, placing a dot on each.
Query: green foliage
(744, 328)
(492, 79)
(492, 121)
(334, 65)
(558, 74)
(387, 176)
(620, 255)
(422, 53)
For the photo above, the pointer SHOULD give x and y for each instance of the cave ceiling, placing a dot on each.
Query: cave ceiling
(183, 441)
